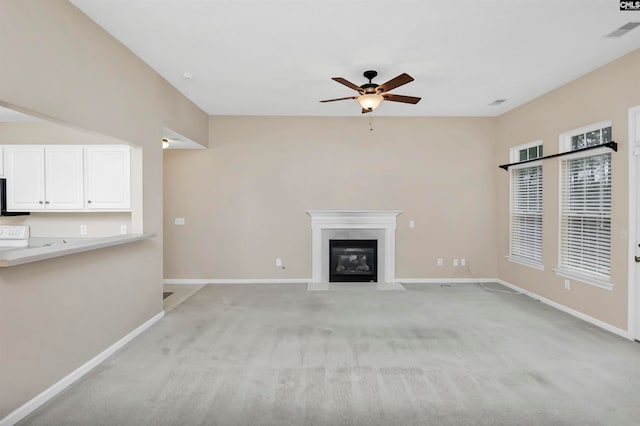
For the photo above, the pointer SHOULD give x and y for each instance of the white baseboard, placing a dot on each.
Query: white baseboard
(30, 406)
(200, 281)
(189, 281)
(445, 280)
(186, 281)
(570, 311)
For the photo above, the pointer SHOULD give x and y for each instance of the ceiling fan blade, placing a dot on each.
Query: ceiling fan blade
(401, 98)
(403, 78)
(346, 83)
(339, 99)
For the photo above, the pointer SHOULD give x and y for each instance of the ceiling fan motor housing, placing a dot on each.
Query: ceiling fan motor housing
(370, 88)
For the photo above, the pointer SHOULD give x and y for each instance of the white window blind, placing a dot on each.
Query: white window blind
(526, 214)
(585, 207)
(585, 237)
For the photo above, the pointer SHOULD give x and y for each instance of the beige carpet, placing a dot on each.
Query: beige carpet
(430, 355)
(355, 287)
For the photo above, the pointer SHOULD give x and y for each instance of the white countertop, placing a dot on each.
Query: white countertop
(42, 248)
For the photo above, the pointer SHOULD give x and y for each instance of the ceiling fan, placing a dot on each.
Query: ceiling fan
(370, 95)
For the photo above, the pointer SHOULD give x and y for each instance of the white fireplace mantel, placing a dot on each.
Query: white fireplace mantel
(323, 220)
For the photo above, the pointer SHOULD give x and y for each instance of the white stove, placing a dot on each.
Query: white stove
(14, 236)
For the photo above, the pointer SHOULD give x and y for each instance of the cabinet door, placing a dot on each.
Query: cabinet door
(25, 177)
(64, 178)
(108, 176)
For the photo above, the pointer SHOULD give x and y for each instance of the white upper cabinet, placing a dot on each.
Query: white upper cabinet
(44, 178)
(24, 167)
(69, 178)
(108, 177)
(64, 175)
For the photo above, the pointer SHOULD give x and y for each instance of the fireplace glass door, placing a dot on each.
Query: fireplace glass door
(353, 260)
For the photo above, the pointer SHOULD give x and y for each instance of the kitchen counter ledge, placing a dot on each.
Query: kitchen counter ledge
(42, 248)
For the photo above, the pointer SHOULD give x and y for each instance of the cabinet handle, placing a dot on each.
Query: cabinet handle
(46, 202)
(40, 202)
(89, 201)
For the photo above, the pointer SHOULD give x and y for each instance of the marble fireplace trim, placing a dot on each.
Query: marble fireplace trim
(353, 224)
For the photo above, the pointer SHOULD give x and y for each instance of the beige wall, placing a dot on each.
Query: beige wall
(57, 314)
(57, 224)
(244, 199)
(47, 133)
(605, 94)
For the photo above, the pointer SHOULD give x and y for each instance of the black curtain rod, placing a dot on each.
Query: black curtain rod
(613, 145)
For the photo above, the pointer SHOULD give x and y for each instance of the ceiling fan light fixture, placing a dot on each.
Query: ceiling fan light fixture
(369, 101)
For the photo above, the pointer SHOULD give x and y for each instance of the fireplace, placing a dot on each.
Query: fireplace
(353, 260)
(329, 225)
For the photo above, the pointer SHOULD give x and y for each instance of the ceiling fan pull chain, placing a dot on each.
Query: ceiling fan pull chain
(370, 124)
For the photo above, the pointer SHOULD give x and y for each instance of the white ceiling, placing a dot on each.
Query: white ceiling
(276, 57)
(11, 116)
(178, 141)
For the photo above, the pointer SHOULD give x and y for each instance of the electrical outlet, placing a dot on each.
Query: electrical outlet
(567, 285)
(83, 229)
(179, 221)
(123, 229)
(278, 261)
(455, 262)
(463, 262)
(439, 261)
(412, 224)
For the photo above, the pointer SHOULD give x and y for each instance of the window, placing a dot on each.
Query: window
(526, 206)
(526, 152)
(585, 210)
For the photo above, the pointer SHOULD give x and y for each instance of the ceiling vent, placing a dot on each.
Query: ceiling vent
(497, 102)
(623, 29)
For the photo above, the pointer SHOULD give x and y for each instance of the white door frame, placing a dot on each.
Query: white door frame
(633, 324)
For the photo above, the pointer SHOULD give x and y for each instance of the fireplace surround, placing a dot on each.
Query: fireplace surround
(377, 225)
